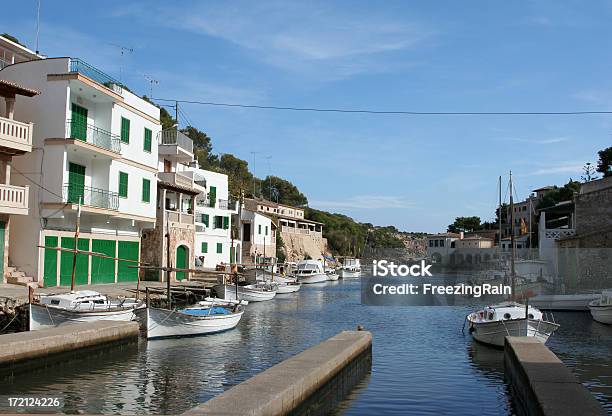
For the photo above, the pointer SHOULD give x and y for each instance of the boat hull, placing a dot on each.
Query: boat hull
(288, 288)
(602, 314)
(165, 323)
(563, 302)
(348, 274)
(333, 276)
(494, 333)
(46, 316)
(250, 295)
(313, 278)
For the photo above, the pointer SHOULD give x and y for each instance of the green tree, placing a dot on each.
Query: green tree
(237, 170)
(164, 116)
(465, 224)
(283, 191)
(604, 165)
(203, 148)
(556, 195)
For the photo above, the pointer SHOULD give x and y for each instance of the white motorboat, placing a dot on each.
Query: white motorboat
(493, 324)
(351, 268)
(333, 276)
(285, 288)
(601, 309)
(251, 293)
(577, 302)
(206, 317)
(283, 279)
(310, 271)
(80, 306)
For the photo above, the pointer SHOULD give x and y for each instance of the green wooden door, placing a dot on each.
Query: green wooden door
(50, 267)
(2, 234)
(82, 262)
(103, 270)
(76, 183)
(232, 255)
(78, 123)
(128, 250)
(181, 261)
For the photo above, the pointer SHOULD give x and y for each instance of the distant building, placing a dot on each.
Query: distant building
(14, 53)
(474, 242)
(258, 234)
(441, 246)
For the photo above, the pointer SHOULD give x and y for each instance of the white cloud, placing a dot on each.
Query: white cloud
(364, 202)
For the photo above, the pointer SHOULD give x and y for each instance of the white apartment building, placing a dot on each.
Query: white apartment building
(94, 144)
(12, 53)
(214, 209)
(258, 233)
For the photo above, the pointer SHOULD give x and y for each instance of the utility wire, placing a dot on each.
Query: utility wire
(391, 112)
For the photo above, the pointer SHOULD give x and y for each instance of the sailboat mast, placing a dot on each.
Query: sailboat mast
(500, 213)
(76, 244)
(512, 247)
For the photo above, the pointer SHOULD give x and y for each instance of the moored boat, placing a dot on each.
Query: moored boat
(80, 306)
(204, 318)
(285, 288)
(493, 324)
(601, 309)
(576, 302)
(310, 271)
(351, 268)
(250, 293)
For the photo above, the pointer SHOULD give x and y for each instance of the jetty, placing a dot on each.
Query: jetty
(341, 360)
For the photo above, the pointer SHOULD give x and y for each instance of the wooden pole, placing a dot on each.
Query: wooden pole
(240, 225)
(76, 244)
(168, 263)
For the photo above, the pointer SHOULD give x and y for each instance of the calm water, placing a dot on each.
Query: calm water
(422, 363)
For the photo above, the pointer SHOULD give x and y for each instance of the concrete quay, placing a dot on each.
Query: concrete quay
(542, 384)
(19, 347)
(282, 389)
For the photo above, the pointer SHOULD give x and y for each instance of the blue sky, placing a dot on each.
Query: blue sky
(415, 172)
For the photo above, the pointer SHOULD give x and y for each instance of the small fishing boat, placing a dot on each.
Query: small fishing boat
(291, 287)
(493, 324)
(258, 292)
(351, 268)
(332, 275)
(310, 271)
(79, 306)
(601, 309)
(577, 302)
(206, 317)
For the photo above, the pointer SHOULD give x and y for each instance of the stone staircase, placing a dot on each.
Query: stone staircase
(17, 277)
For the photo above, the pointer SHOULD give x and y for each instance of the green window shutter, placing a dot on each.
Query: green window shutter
(76, 183)
(146, 190)
(123, 184)
(206, 218)
(148, 138)
(78, 123)
(225, 223)
(259, 229)
(204, 247)
(266, 230)
(219, 248)
(212, 196)
(125, 130)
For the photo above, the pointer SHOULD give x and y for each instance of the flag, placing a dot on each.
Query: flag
(523, 226)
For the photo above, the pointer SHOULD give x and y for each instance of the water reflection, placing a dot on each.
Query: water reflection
(422, 363)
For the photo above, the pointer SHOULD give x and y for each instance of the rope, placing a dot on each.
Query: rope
(7, 325)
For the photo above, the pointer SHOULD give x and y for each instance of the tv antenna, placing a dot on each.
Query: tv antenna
(123, 50)
(152, 82)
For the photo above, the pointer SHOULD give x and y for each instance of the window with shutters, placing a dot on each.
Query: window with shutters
(219, 248)
(225, 223)
(148, 139)
(218, 221)
(125, 130)
(146, 190)
(206, 219)
(266, 230)
(123, 184)
(204, 247)
(259, 229)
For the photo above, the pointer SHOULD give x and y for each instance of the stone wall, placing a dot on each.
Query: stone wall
(594, 209)
(298, 246)
(154, 249)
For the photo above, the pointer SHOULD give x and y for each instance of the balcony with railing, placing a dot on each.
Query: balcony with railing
(176, 178)
(90, 197)
(227, 204)
(93, 135)
(175, 145)
(14, 199)
(79, 66)
(16, 135)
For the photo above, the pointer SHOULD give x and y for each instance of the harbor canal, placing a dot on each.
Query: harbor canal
(422, 363)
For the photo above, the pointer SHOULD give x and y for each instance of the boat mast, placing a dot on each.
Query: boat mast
(76, 243)
(512, 248)
(500, 215)
(241, 240)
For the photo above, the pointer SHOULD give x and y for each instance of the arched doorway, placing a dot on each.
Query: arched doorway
(181, 261)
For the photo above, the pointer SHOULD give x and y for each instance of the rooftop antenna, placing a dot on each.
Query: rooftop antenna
(37, 25)
(123, 50)
(152, 81)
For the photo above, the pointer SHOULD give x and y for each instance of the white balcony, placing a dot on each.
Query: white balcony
(176, 178)
(14, 199)
(15, 135)
(174, 145)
